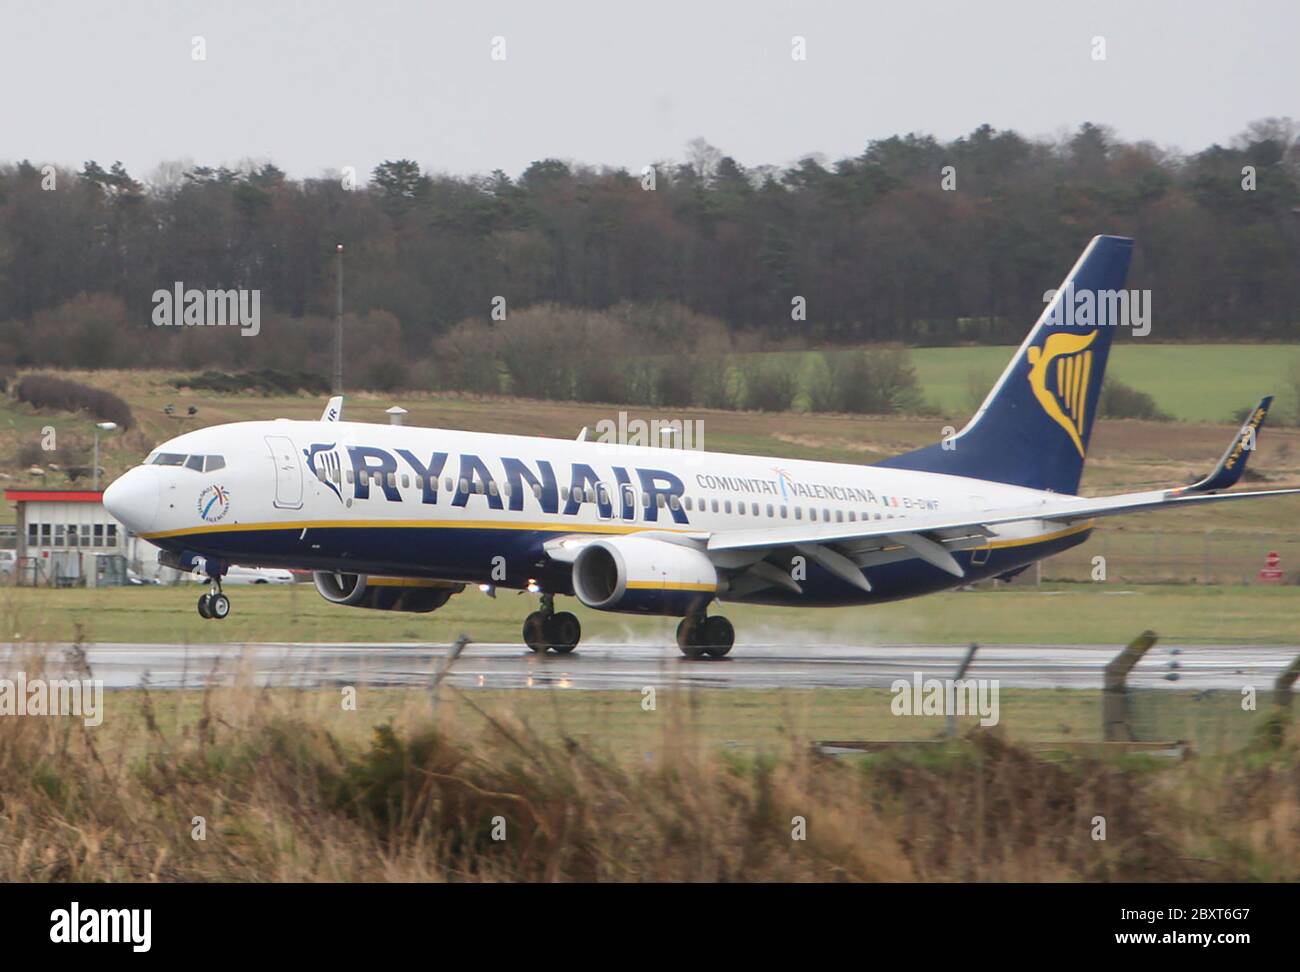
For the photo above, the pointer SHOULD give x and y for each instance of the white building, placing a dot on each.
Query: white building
(64, 535)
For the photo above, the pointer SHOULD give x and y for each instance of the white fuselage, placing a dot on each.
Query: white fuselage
(421, 502)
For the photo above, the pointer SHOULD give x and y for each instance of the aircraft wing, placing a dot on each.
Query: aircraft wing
(1065, 510)
(844, 548)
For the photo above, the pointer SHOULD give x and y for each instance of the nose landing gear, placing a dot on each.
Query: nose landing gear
(214, 605)
(546, 629)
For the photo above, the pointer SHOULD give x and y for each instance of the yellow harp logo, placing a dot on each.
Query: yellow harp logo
(1059, 375)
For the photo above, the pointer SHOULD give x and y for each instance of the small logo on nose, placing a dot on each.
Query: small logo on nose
(214, 503)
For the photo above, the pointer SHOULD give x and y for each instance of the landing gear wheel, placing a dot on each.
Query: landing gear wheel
(219, 606)
(717, 636)
(535, 631)
(205, 611)
(688, 635)
(563, 632)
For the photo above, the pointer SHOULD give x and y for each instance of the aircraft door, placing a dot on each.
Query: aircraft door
(288, 472)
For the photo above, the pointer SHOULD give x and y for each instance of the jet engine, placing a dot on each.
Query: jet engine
(384, 593)
(645, 576)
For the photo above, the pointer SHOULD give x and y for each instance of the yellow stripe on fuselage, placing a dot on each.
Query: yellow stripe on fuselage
(614, 528)
(1040, 538)
(595, 528)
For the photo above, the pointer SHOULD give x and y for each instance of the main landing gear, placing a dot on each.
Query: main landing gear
(560, 632)
(698, 635)
(214, 605)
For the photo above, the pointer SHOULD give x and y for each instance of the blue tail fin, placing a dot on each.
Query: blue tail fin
(1034, 427)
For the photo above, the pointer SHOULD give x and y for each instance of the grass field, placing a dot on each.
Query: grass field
(1054, 614)
(1193, 383)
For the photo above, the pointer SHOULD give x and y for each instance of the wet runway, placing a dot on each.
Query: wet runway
(633, 666)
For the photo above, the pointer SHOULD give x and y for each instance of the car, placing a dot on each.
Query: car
(258, 575)
(249, 575)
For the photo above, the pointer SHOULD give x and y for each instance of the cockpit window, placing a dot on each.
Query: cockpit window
(197, 463)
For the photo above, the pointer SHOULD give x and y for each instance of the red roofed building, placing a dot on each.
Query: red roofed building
(56, 527)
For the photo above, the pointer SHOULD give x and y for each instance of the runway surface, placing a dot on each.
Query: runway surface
(633, 666)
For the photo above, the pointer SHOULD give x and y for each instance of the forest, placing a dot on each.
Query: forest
(913, 242)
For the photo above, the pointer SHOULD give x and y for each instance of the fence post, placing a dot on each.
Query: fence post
(1115, 709)
(1282, 686)
(957, 677)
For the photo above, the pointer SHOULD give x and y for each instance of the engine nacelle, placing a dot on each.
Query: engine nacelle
(384, 593)
(644, 576)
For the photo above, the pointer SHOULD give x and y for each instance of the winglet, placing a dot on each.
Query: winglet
(333, 409)
(1233, 463)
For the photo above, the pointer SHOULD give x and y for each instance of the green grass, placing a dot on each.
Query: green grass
(1060, 614)
(1191, 382)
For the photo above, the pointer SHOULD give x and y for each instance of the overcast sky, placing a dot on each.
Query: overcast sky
(318, 86)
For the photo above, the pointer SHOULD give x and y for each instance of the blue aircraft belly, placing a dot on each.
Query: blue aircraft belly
(459, 554)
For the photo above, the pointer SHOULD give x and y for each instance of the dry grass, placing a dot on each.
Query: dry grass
(286, 796)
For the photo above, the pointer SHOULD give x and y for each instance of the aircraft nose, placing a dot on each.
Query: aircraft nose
(133, 499)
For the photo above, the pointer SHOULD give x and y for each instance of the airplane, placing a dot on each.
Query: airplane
(402, 518)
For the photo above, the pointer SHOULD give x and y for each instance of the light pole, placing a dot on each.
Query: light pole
(338, 329)
(104, 427)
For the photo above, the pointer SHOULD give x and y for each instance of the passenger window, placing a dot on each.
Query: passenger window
(727, 506)
(406, 481)
(645, 500)
(537, 491)
(784, 512)
(674, 503)
(349, 477)
(769, 510)
(688, 504)
(320, 474)
(812, 514)
(492, 486)
(853, 517)
(715, 506)
(839, 516)
(464, 486)
(659, 501)
(740, 508)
